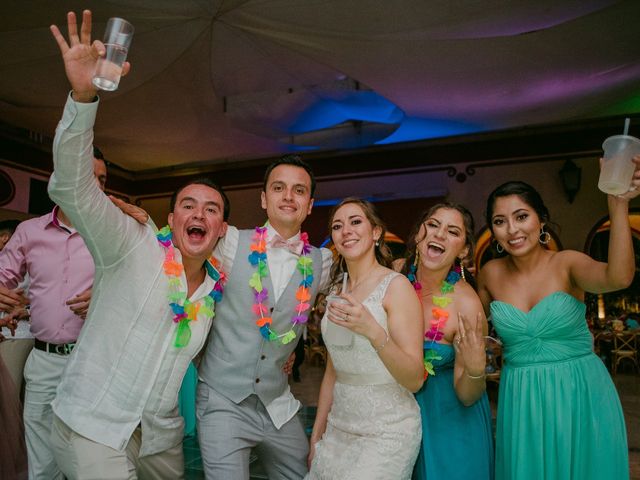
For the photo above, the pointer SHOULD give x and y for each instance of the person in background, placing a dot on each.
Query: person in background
(13, 452)
(368, 422)
(457, 439)
(13, 460)
(51, 252)
(559, 415)
(16, 343)
(7, 227)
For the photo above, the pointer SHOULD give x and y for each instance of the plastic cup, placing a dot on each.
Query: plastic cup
(617, 169)
(117, 40)
(336, 334)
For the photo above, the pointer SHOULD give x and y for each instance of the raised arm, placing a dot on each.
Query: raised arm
(107, 232)
(80, 56)
(598, 277)
(471, 359)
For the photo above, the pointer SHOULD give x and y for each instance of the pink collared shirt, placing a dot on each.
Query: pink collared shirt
(59, 266)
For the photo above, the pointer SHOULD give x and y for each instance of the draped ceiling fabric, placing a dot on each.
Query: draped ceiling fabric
(223, 81)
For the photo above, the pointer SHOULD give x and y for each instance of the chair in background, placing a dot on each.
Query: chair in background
(315, 351)
(625, 346)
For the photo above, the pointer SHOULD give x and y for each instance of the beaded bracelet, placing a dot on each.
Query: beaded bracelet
(478, 377)
(384, 344)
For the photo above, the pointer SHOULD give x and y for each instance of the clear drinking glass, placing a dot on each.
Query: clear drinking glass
(336, 334)
(117, 40)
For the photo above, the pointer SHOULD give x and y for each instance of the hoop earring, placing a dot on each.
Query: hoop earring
(545, 237)
(499, 248)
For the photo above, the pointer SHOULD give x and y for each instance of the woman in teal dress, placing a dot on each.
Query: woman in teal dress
(559, 416)
(457, 439)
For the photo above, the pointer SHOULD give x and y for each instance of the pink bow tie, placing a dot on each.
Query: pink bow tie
(294, 246)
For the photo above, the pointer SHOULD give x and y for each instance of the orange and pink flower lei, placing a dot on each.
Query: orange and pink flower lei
(258, 258)
(185, 311)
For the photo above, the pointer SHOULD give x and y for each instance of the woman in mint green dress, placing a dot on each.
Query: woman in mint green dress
(559, 416)
(457, 441)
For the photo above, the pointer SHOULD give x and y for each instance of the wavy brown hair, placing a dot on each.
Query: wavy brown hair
(413, 241)
(382, 251)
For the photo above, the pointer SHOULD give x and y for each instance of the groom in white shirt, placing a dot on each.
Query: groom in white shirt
(244, 400)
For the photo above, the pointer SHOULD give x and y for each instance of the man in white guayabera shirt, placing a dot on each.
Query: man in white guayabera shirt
(153, 299)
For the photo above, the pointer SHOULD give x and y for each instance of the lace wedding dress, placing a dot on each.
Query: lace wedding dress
(373, 429)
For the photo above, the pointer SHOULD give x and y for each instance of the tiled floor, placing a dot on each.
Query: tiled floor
(628, 385)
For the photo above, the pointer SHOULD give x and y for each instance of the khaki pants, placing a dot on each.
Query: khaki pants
(83, 459)
(42, 374)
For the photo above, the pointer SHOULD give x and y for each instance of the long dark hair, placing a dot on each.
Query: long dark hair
(525, 192)
(413, 240)
(382, 251)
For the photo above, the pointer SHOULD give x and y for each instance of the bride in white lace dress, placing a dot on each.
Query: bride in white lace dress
(368, 422)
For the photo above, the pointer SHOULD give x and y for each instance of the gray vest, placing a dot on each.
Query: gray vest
(238, 361)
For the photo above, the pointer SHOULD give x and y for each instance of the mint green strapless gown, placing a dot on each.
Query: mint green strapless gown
(559, 415)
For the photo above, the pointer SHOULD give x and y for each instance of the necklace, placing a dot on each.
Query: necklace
(439, 312)
(258, 259)
(185, 311)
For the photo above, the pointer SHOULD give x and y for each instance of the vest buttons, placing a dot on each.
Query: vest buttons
(262, 357)
(257, 380)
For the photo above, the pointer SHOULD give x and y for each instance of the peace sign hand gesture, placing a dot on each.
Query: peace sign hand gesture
(80, 56)
(469, 344)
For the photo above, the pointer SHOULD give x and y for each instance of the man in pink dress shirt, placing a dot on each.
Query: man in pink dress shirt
(61, 272)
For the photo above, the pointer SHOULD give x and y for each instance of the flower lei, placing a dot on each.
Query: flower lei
(258, 259)
(185, 311)
(440, 315)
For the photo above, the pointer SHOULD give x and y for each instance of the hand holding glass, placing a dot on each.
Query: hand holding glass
(617, 167)
(117, 40)
(337, 334)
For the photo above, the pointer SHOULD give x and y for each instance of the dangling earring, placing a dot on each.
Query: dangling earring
(377, 243)
(499, 248)
(462, 272)
(544, 238)
(416, 260)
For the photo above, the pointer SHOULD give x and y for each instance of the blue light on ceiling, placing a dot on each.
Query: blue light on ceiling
(370, 109)
(365, 106)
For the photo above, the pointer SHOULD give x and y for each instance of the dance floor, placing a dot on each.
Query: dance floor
(627, 383)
